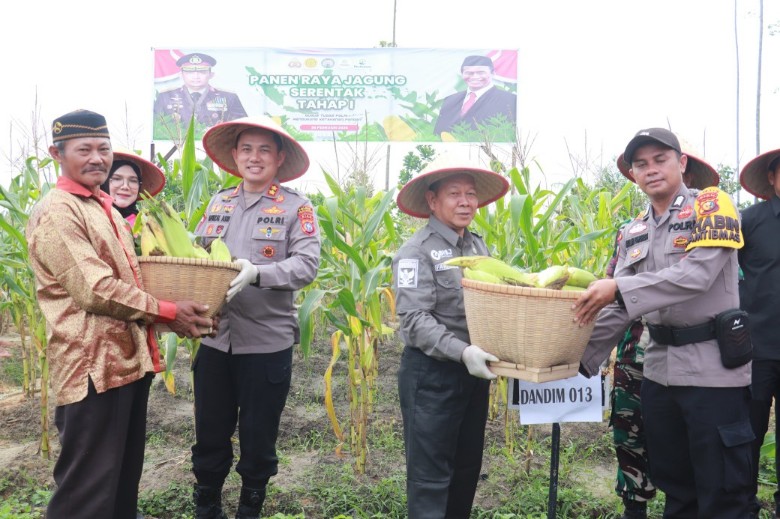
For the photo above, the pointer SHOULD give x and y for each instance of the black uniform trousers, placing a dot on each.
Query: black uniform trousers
(444, 412)
(102, 440)
(764, 387)
(250, 390)
(698, 444)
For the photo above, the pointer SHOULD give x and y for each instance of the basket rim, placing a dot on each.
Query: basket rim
(170, 260)
(494, 288)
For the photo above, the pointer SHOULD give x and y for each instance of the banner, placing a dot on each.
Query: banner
(382, 94)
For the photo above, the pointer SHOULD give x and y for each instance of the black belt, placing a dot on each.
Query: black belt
(681, 336)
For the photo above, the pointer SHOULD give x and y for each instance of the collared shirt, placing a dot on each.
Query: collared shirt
(429, 296)
(760, 290)
(659, 280)
(278, 233)
(90, 292)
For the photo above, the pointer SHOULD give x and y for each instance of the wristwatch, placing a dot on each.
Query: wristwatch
(256, 282)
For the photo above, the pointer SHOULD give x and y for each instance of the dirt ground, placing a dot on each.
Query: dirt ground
(170, 431)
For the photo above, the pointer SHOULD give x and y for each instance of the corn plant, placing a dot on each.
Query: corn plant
(353, 292)
(17, 281)
(189, 185)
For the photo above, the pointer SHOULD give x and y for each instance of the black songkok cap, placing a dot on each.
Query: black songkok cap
(477, 61)
(79, 124)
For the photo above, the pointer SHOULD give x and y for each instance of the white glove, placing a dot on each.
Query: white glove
(476, 359)
(247, 276)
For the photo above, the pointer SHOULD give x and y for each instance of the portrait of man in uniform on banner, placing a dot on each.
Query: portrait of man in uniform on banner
(174, 108)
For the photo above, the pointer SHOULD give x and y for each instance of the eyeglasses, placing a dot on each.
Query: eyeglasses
(131, 182)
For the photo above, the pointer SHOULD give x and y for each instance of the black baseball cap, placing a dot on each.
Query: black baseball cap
(650, 135)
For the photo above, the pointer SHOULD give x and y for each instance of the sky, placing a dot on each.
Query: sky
(591, 73)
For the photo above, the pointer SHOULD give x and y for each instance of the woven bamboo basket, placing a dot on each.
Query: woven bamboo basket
(531, 330)
(188, 279)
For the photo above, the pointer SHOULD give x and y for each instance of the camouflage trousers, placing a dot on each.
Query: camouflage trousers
(633, 480)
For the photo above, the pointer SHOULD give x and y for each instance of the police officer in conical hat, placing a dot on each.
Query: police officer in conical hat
(209, 104)
(677, 267)
(758, 295)
(633, 484)
(443, 380)
(243, 374)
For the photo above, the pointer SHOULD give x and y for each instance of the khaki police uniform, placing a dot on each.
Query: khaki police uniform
(211, 107)
(444, 408)
(247, 366)
(695, 409)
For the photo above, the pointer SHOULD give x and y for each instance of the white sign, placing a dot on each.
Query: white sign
(575, 399)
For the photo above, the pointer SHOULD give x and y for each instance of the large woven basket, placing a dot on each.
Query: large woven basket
(531, 330)
(187, 279)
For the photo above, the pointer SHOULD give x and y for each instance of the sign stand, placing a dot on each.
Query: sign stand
(552, 496)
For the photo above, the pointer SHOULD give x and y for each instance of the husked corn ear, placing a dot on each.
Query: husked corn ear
(479, 275)
(495, 267)
(179, 241)
(580, 277)
(159, 236)
(465, 261)
(200, 252)
(219, 251)
(552, 277)
(149, 243)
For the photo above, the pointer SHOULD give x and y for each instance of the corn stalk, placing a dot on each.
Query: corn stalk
(353, 293)
(17, 281)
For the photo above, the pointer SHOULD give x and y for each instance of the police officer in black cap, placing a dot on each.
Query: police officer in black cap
(210, 105)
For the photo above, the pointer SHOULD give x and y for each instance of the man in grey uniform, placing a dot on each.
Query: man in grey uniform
(677, 267)
(243, 374)
(443, 380)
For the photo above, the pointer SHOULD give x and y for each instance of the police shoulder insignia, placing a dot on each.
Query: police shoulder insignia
(273, 190)
(717, 223)
(306, 218)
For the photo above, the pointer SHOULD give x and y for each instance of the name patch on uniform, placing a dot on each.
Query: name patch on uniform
(306, 218)
(441, 254)
(407, 273)
(717, 223)
(441, 266)
(636, 239)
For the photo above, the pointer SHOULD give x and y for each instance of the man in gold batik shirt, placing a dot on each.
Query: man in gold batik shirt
(101, 348)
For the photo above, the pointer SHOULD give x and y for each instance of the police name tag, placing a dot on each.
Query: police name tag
(575, 399)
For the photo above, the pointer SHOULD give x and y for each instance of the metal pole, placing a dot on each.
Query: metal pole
(552, 499)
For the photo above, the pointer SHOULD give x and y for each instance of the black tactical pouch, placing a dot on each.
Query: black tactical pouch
(731, 328)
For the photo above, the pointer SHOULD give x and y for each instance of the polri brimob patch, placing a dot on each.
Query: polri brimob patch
(407, 273)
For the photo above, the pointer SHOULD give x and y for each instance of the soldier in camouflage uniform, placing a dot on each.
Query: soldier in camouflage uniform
(633, 483)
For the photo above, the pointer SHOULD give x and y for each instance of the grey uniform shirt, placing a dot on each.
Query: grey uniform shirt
(279, 234)
(429, 297)
(659, 280)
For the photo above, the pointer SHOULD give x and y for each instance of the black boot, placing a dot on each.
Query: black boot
(634, 509)
(250, 503)
(208, 502)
